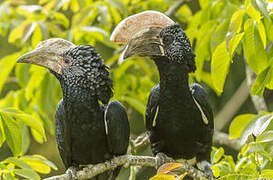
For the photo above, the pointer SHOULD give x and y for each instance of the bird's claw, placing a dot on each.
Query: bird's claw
(161, 159)
(71, 172)
(206, 168)
(208, 173)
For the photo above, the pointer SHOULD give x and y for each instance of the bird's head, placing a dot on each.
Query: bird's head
(78, 66)
(154, 34)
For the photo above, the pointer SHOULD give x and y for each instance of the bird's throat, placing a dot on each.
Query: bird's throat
(173, 77)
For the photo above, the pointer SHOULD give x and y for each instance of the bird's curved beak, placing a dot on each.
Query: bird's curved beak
(140, 33)
(48, 54)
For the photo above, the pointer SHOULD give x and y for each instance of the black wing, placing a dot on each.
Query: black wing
(63, 135)
(152, 107)
(201, 99)
(117, 128)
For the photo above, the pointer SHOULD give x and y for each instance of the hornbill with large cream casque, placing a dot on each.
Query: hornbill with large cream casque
(87, 131)
(179, 116)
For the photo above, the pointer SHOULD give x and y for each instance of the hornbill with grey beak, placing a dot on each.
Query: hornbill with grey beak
(87, 131)
(179, 117)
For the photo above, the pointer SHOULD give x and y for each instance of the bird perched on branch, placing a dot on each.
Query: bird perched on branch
(179, 116)
(87, 131)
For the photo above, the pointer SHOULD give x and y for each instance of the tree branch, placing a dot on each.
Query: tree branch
(126, 160)
(175, 7)
(232, 106)
(223, 139)
(258, 102)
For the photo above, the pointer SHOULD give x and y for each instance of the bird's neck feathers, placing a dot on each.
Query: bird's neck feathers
(78, 95)
(173, 76)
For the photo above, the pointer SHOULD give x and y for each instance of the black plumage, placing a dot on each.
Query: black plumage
(87, 131)
(179, 116)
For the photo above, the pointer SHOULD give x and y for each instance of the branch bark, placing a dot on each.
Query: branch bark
(175, 7)
(232, 106)
(223, 139)
(258, 102)
(126, 160)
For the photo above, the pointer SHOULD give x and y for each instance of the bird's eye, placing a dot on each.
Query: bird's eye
(66, 61)
(167, 40)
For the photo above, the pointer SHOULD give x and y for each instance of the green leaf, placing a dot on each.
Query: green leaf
(29, 120)
(37, 36)
(264, 78)
(27, 173)
(256, 127)
(240, 164)
(162, 177)
(265, 137)
(17, 32)
(219, 34)
(236, 21)
(17, 162)
(253, 48)
(13, 133)
(220, 66)
(261, 6)
(252, 12)
(39, 163)
(61, 19)
(238, 124)
(6, 65)
(217, 155)
(233, 43)
(2, 134)
(139, 106)
(262, 33)
(267, 173)
(37, 75)
(22, 74)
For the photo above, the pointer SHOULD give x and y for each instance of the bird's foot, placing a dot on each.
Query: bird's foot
(161, 159)
(205, 166)
(71, 172)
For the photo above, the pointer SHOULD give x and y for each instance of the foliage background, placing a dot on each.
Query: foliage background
(226, 36)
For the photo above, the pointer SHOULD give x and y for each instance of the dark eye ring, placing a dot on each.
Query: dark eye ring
(66, 61)
(167, 40)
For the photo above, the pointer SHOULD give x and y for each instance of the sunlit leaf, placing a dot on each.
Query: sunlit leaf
(234, 42)
(261, 81)
(37, 36)
(17, 32)
(220, 66)
(256, 127)
(260, 6)
(236, 21)
(27, 173)
(267, 173)
(238, 124)
(6, 65)
(262, 32)
(12, 133)
(217, 155)
(41, 159)
(17, 162)
(29, 120)
(168, 167)
(251, 11)
(253, 48)
(162, 177)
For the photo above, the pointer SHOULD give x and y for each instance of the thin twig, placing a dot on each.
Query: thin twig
(125, 160)
(175, 7)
